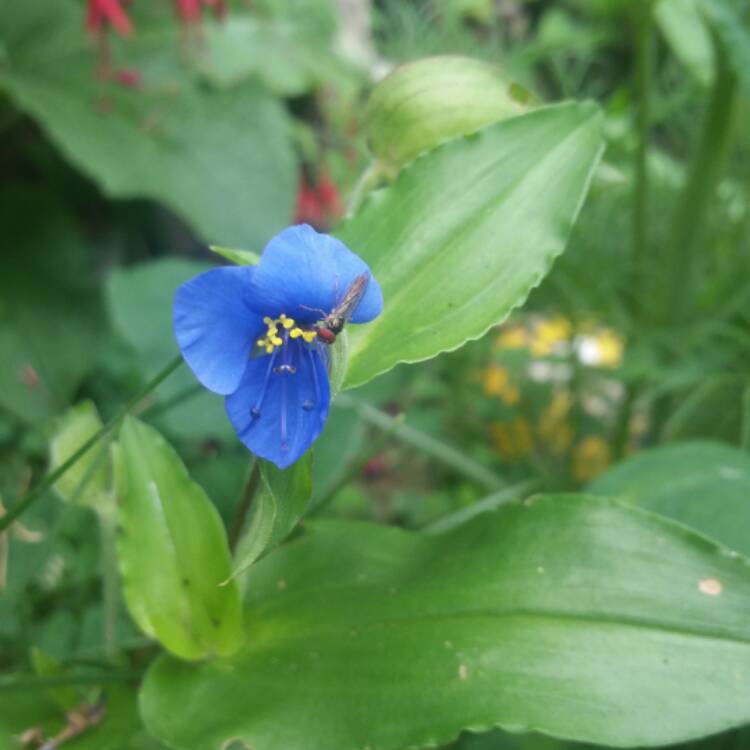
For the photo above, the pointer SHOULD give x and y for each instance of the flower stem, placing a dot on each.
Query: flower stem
(437, 449)
(703, 177)
(34, 494)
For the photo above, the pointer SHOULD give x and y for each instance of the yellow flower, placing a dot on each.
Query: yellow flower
(590, 458)
(512, 439)
(602, 348)
(512, 336)
(496, 382)
(553, 427)
(548, 333)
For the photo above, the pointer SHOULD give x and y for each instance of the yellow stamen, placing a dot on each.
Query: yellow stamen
(272, 339)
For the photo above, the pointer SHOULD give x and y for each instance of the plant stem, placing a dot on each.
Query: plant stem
(438, 450)
(491, 502)
(107, 515)
(356, 466)
(243, 507)
(11, 682)
(703, 176)
(34, 494)
(745, 438)
(367, 181)
(644, 63)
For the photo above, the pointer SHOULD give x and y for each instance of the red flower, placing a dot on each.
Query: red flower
(189, 11)
(103, 13)
(319, 205)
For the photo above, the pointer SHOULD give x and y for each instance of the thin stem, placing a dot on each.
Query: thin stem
(644, 64)
(243, 507)
(367, 181)
(438, 450)
(355, 467)
(703, 176)
(33, 495)
(11, 682)
(107, 515)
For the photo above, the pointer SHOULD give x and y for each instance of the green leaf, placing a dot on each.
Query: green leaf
(684, 28)
(50, 312)
(281, 500)
(87, 481)
(221, 158)
(467, 231)
(140, 304)
(732, 35)
(240, 257)
(575, 616)
(172, 550)
(703, 484)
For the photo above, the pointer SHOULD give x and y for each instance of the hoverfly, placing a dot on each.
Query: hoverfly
(333, 323)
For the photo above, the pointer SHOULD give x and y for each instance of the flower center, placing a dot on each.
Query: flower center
(275, 326)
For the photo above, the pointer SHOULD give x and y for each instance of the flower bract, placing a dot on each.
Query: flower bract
(250, 334)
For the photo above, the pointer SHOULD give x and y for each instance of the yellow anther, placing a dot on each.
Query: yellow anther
(286, 322)
(276, 341)
(268, 321)
(295, 333)
(269, 348)
(309, 336)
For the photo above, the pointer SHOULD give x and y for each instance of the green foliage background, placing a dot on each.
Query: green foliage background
(526, 525)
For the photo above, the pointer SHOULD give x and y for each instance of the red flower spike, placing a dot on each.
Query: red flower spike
(189, 11)
(103, 13)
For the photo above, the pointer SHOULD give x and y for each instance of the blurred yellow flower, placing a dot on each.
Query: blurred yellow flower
(496, 382)
(590, 458)
(553, 428)
(512, 439)
(548, 333)
(512, 337)
(602, 348)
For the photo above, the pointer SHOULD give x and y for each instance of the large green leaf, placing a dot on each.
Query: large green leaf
(220, 158)
(281, 500)
(575, 616)
(172, 550)
(703, 484)
(50, 312)
(467, 230)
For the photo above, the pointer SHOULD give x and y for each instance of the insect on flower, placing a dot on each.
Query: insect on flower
(333, 323)
(253, 334)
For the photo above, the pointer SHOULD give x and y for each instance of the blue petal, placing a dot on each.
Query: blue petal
(278, 415)
(304, 274)
(215, 328)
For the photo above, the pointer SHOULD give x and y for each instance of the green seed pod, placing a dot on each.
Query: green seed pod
(424, 103)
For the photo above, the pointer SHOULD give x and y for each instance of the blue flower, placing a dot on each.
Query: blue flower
(250, 333)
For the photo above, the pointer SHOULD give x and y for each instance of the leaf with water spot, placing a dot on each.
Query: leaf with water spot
(577, 616)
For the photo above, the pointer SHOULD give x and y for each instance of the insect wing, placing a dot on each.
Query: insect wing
(352, 296)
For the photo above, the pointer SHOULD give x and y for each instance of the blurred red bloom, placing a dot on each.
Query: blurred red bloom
(104, 13)
(189, 11)
(318, 204)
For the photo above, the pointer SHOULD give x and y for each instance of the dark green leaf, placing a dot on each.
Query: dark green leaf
(579, 617)
(50, 314)
(702, 484)
(220, 158)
